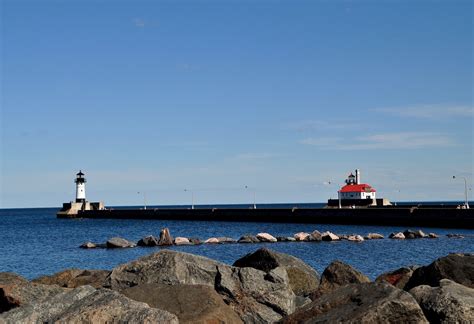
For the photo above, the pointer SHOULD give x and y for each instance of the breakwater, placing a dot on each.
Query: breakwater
(442, 217)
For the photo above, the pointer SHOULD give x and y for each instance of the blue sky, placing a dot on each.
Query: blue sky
(213, 96)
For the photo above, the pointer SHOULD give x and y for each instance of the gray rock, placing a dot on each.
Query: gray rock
(433, 235)
(374, 236)
(448, 303)
(88, 245)
(456, 267)
(226, 240)
(195, 241)
(182, 241)
(248, 239)
(361, 303)
(455, 236)
(303, 278)
(397, 236)
(148, 241)
(190, 303)
(255, 295)
(18, 294)
(73, 278)
(165, 237)
(409, 234)
(168, 267)
(315, 236)
(338, 274)
(329, 236)
(87, 305)
(265, 237)
(398, 278)
(118, 242)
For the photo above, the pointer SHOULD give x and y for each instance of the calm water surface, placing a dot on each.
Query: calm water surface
(34, 242)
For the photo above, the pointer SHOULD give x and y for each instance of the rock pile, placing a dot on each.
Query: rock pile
(261, 287)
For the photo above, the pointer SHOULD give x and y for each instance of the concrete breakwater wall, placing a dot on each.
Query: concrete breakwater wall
(420, 217)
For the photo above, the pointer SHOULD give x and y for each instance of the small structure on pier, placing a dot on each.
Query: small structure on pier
(356, 194)
(71, 209)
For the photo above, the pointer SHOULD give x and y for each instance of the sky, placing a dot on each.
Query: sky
(230, 98)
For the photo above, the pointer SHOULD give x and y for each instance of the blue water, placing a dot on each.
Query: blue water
(34, 242)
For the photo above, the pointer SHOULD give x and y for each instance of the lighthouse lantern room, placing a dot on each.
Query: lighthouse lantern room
(80, 187)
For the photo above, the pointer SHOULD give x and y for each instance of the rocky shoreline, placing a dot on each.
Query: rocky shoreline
(261, 287)
(165, 239)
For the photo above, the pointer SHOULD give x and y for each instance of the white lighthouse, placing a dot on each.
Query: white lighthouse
(80, 187)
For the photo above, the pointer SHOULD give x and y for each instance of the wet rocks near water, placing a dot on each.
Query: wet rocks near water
(248, 239)
(181, 241)
(448, 303)
(88, 245)
(261, 287)
(374, 236)
(397, 236)
(328, 236)
(212, 240)
(455, 236)
(165, 237)
(265, 237)
(118, 242)
(149, 240)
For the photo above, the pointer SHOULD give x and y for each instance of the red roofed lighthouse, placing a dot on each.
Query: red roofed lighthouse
(356, 190)
(355, 194)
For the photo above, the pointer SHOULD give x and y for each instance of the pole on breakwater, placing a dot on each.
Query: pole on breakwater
(466, 201)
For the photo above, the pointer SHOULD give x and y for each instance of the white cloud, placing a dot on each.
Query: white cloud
(429, 111)
(401, 140)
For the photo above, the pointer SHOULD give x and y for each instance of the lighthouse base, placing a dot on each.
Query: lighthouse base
(71, 209)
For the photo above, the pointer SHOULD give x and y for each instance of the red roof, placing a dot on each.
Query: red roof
(357, 188)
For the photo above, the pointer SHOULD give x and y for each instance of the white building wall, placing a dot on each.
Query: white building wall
(80, 191)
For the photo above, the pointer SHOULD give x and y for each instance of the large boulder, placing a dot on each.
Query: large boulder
(448, 303)
(148, 241)
(456, 267)
(190, 303)
(361, 303)
(397, 278)
(315, 236)
(255, 295)
(166, 266)
(18, 293)
(87, 305)
(118, 242)
(73, 278)
(338, 274)
(303, 278)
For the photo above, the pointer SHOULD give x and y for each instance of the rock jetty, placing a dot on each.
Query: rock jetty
(264, 286)
(165, 239)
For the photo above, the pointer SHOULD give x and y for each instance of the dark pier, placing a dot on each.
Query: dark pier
(419, 216)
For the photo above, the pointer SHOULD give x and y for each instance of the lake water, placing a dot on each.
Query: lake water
(34, 242)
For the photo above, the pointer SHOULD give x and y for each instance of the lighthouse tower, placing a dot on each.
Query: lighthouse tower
(80, 187)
